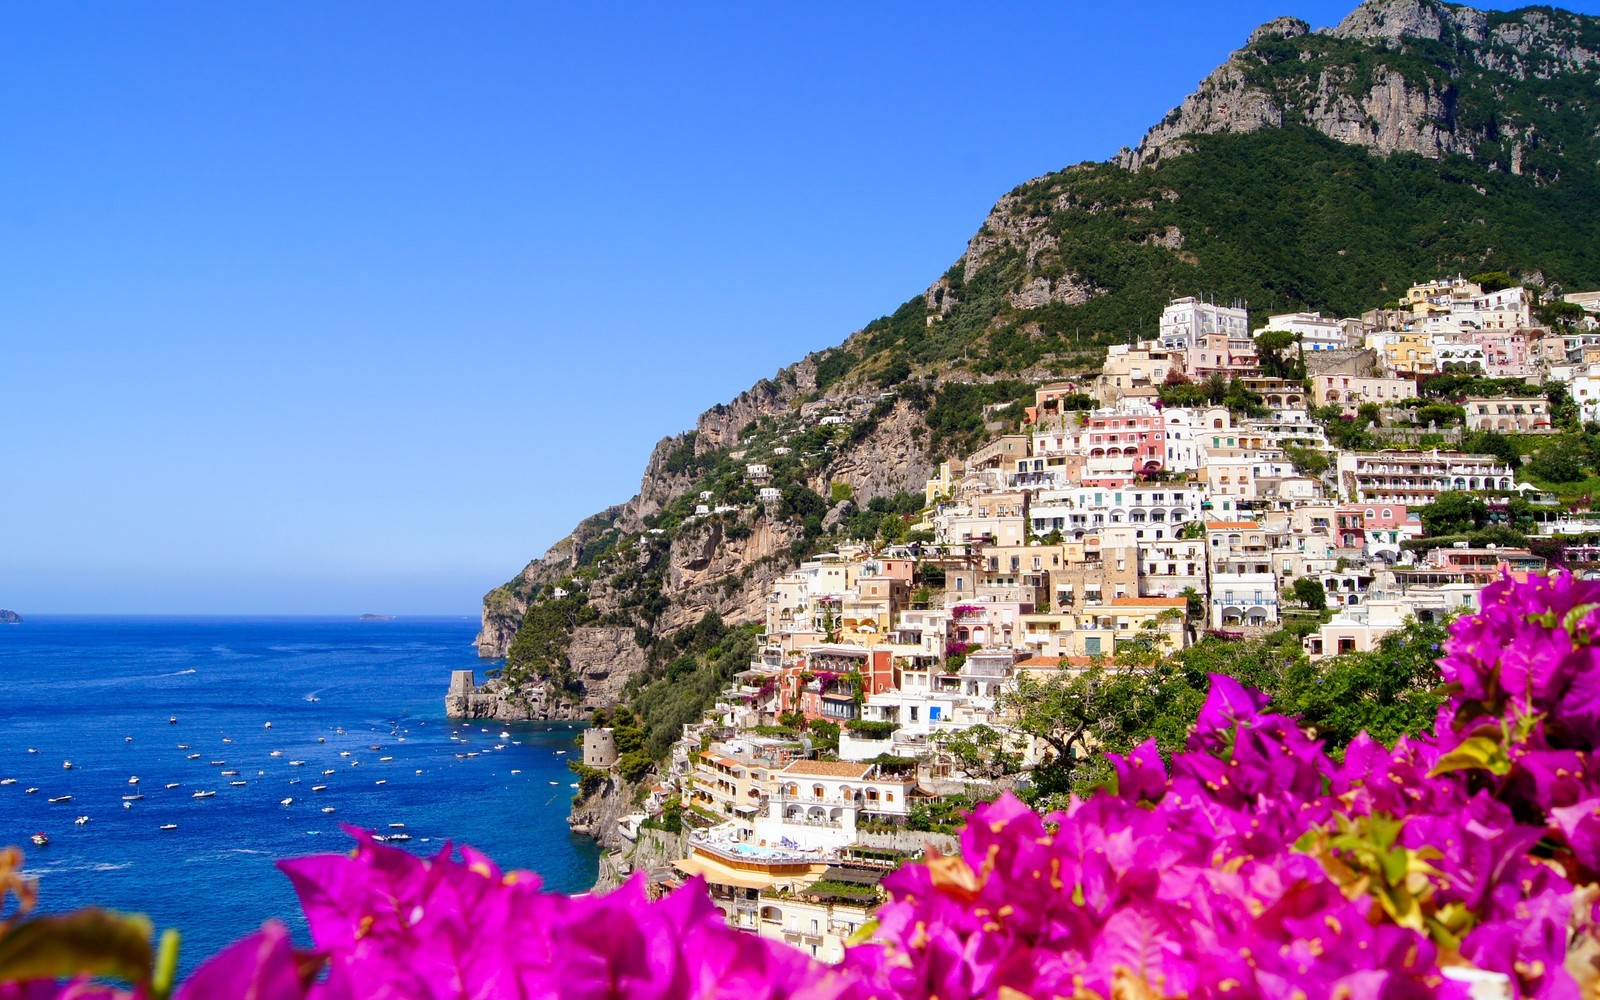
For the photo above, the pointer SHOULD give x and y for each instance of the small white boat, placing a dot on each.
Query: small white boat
(286, 802)
(297, 763)
(355, 763)
(328, 771)
(66, 765)
(236, 784)
(294, 781)
(318, 788)
(194, 756)
(183, 746)
(397, 826)
(81, 820)
(382, 759)
(172, 720)
(268, 726)
(169, 826)
(472, 753)
(399, 836)
(127, 739)
(132, 798)
(227, 739)
(381, 781)
(8, 781)
(61, 798)
(327, 809)
(219, 763)
(229, 774)
(40, 840)
(573, 785)
(29, 791)
(344, 753)
(505, 735)
(516, 771)
(275, 753)
(499, 746)
(561, 753)
(202, 795)
(555, 782)
(322, 739)
(419, 770)
(172, 784)
(33, 749)
(133, 780)
(127, 805)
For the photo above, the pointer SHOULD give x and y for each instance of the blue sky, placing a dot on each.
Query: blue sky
(357, 307)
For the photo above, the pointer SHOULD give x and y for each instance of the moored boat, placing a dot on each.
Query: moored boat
(40, 839)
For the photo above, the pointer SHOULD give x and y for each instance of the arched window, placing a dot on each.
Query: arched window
(818, 791)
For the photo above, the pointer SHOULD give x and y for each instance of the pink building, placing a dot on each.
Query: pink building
(1125, 442)
(1506, 353)
(1376, 529)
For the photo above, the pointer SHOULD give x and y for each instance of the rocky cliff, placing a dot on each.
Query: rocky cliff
(9, 617)
(1313, 169)
(1415, 76)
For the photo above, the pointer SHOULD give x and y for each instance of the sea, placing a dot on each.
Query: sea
(299, 725)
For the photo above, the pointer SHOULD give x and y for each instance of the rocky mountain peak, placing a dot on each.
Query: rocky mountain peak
(1395, 76)
(1394, 20)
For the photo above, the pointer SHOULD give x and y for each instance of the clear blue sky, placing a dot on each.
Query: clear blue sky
(335, 308)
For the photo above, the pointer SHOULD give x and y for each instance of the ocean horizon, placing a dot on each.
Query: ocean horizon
(310, 713)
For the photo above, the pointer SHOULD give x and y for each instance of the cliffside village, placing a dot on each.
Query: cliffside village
(1128, 522)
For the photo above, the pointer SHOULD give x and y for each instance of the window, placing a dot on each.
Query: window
(1091, 645)
(913, 713)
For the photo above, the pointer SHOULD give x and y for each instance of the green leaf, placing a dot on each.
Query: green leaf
(87, 942)
(1478, 753)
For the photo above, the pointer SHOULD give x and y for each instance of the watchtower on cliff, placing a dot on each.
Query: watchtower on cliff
(599, 748)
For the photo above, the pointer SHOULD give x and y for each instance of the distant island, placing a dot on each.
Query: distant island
(377, 618)
(9, 617)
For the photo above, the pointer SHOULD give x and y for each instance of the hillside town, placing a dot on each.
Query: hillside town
(1206, 483)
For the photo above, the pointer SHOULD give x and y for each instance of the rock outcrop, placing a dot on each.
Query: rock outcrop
(1394, 76)
(9, 617)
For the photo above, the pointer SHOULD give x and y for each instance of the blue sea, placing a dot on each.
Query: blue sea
(361, 703)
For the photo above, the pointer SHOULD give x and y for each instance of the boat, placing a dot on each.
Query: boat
(499, 746)
(236, 784)
(81, 820)
(218, 763)
(381, 781)
(327, 809)
(29, 791)
(374, 747)
(183, 746)
(169, 826)
(399, 836)
(172, 784)
(313, 698)
(127, 739)
(62, 798)
(268, 726)
(275, 753)
(33, 749)
(193, 756)
(66, 765)
(397, 826)
(382, 759)
(202, 795)
(318, 788)
(172, 720)
(133, 780)
(505, 735)
(322, 739)
(229, 774)
(286, 802)
(297, 763)
(40, 840)
(127, 805)
(344, 753)
(227, 739)
(132, 798)
(561, 753)
(8, 781)
(555, 782)
(516, 770)
(328, 771)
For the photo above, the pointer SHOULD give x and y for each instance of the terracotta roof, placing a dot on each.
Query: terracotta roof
(1232, 524)
(1041, 661)
(828, 769)
(1149, 602)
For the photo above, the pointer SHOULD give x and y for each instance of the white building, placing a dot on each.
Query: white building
(1315, 332)
(1185, 321)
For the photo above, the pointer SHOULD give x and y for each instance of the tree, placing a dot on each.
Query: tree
(1392, 691)
(983, 752)
(1561, 460)
(1492, 443)
(1440, 414)
(1276, 349)
(1306, 461)
(1492, 281)
(1454, 513)
(1195, 605)
(1310, 593)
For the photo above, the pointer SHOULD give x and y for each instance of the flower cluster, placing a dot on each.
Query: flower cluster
(1258, 867)
(1249, 866)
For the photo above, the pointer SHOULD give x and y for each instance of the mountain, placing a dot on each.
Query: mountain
(1314, 169)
